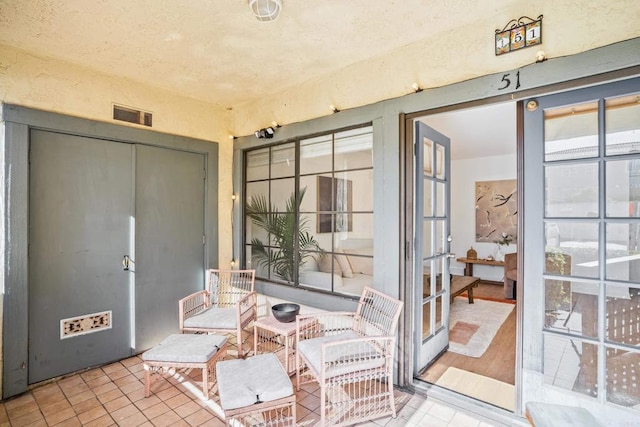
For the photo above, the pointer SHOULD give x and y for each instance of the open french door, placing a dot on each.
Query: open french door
(432, 239)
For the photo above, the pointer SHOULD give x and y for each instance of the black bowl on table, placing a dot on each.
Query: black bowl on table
(285, 312)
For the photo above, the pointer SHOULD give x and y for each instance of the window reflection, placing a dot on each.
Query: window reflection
(571, 364)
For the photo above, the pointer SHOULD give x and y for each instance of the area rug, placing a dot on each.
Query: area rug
(473, 326)
(479, 387)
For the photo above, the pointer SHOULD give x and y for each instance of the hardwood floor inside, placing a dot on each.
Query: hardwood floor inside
(497, 362)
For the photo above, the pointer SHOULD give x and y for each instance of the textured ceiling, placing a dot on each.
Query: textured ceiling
(215, 50)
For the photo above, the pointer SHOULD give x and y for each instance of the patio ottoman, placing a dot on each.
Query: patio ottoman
(256, 390)
(185, 351)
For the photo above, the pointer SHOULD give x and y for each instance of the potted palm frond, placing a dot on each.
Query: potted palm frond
(281, 226)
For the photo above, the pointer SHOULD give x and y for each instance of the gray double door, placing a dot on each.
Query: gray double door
(116, 238)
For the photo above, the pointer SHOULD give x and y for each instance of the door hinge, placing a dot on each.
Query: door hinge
(204, 239)
(407, 248)
(204, 174)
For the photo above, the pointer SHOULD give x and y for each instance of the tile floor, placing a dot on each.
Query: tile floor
(114, 395)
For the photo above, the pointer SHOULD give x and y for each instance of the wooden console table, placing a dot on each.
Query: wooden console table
(468, 267)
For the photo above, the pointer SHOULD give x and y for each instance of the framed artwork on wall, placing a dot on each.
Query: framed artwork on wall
(334, 195)
(496, 210)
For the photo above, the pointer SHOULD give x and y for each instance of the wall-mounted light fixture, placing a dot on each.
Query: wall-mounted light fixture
(541, 56)
(334, 109)
(276, 124)
(232, 137)
(233, 196)
(265, 133)
(416, 87)
(266, 10)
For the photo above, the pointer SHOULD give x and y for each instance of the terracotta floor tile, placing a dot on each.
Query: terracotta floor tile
(124, 412)
(214, 422)
(131, 361)
(178, 400)
(4, 417)
(27, 419)
(156, 410)
(92, 374)
(76, 389)
(81, 397)
(167, 393)
(116, 404)
(51, 398)
(71, 422)
(46, 389)
(168, 419)
(18, 401)
(51, 409)
(133, 421)
(147, 402)
(117, 366)
(146, 424)
(59, 416)
(98, 381)
(118, 374)
(134, 385)
(127, 379)
(136, 368)
(110, 395)
(86, 405)
(103, 421)
(22, 410)
(70, 381)
(92, 414)
(310, 401)
(187, 409)
(199, 417)
(136, 395)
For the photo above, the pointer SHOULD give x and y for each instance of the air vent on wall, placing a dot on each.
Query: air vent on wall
(132, 115)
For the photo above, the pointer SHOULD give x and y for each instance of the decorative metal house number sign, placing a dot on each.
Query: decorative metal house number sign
(518, 34)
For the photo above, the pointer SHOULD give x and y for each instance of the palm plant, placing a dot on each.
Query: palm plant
(281, 227)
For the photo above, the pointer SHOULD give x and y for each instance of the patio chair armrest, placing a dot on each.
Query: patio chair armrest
(191, 305)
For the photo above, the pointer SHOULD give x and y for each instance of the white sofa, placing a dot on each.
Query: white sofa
(353, 271)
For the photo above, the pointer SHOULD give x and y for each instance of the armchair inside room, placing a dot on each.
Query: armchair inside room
(350, 355)
(510, 275)
(228, 305)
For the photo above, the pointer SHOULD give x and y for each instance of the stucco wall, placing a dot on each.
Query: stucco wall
(64, 88)
(464, 174)
(569, 27)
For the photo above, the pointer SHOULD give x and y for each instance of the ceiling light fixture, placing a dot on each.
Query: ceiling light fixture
(266, 10)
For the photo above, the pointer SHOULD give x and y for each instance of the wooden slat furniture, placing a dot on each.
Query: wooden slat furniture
(469, 263)
(461, 284)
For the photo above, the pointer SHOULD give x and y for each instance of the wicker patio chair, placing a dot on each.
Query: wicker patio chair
(350, 355)
(228, 305)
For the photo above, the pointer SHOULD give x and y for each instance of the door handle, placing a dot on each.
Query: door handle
(126, 263)
(450, 255)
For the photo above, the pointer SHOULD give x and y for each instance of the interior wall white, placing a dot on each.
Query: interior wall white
(464, 174)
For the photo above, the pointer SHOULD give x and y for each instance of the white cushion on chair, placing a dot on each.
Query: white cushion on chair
(242, 382)
(213, 318)
(185, 348)
(366, 355)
